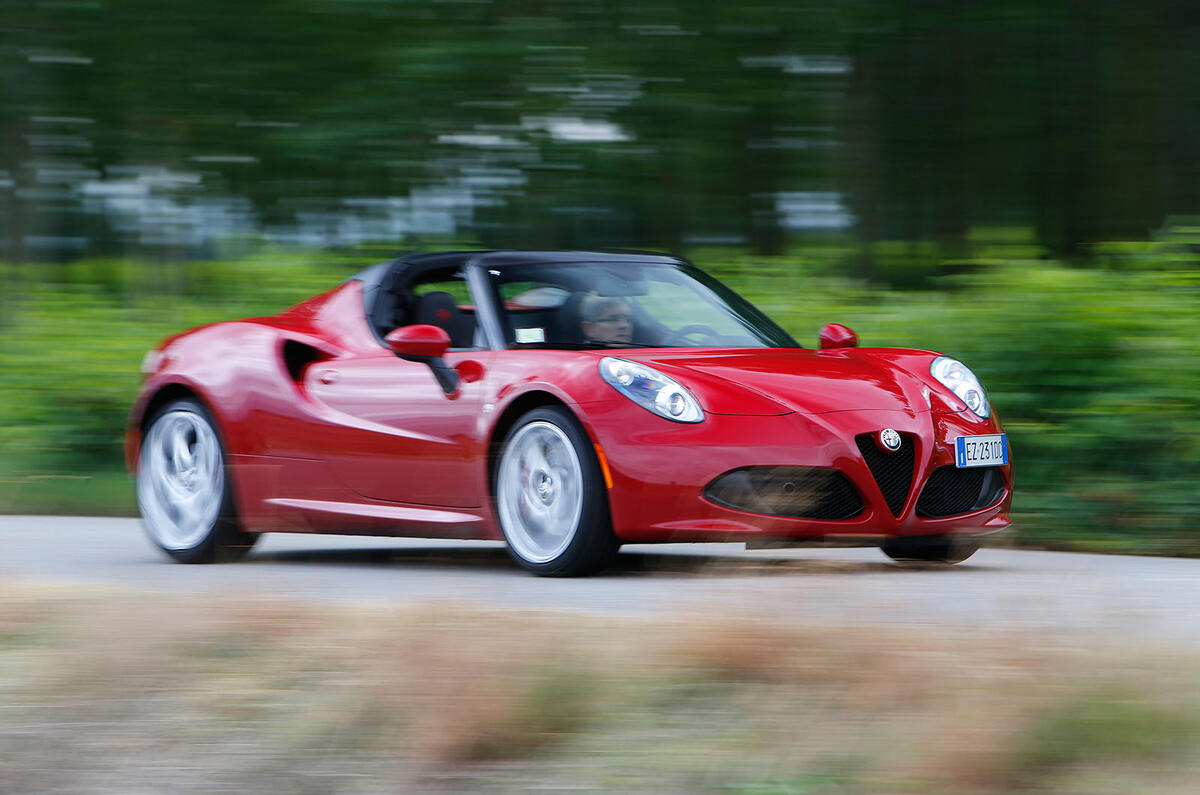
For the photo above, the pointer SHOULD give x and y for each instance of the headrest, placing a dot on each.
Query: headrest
(440, 309)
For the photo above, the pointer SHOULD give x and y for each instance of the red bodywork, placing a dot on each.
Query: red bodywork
(326, 430)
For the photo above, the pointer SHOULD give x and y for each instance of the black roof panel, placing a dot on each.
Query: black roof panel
(374, 274)
(520, 257)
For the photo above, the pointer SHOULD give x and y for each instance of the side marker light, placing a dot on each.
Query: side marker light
(603, 459)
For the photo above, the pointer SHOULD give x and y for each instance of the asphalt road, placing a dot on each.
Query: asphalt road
(1116, 599)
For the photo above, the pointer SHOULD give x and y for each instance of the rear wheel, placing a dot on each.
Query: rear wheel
(550, 497)
(183, 487)
(931, 549)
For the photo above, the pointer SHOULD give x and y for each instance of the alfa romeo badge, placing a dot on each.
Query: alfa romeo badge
(889, 439)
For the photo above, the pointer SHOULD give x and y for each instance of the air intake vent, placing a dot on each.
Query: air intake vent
(797, 492)
(893, 472)
(951, 491)
(297, 357)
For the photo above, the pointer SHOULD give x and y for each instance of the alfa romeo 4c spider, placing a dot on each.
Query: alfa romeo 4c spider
(565, 403)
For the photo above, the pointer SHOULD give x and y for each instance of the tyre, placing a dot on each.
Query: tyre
(183, 487)
(550, 497)
(931, 549)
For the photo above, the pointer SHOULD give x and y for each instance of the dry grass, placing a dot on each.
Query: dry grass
(106, 692)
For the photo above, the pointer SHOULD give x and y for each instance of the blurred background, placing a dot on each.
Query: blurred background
(1014, 183)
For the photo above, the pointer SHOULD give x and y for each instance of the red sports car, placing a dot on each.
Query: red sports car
(565, 402)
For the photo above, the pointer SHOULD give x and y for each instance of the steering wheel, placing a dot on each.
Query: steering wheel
(705, 334)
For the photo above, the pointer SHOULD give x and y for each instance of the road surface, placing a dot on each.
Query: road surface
(1117, 599)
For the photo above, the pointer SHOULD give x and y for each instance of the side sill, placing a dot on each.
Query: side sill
(396, 513)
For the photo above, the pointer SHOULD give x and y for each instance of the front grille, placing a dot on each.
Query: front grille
(951, 491)
(797, 492)
(893, 472)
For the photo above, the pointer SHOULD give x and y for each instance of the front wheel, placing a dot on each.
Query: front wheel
(930, 549)
(183, 489)
(550, 497)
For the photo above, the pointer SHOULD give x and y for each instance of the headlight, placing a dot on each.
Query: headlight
(651, 390)
(962, 382)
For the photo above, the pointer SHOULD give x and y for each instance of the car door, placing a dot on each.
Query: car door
(393, 434)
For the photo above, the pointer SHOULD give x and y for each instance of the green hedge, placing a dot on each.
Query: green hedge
(72, 338)
(1095, 371)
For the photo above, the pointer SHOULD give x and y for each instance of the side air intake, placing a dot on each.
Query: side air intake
(951, 491)
(796, 492)
(297, 357)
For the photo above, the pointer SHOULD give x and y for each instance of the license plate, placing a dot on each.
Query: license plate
(981, 451)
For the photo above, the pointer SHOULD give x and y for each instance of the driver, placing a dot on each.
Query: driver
(606, 318)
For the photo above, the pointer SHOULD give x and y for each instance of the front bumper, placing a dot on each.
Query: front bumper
(660, 470)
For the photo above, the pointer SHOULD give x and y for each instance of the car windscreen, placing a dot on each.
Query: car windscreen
(626, 304)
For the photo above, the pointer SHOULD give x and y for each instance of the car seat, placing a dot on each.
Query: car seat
(567, 320)
(439, 309)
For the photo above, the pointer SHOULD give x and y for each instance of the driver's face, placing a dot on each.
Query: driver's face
(614, 324)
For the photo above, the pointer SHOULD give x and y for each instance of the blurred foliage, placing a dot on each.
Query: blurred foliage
(1094, 370)
(1106, 724)
(193, 129)
(1014, 182)
(69, 355)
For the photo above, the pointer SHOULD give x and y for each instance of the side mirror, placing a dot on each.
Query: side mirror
(427, 344)
(835, 335)
(418, 342)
